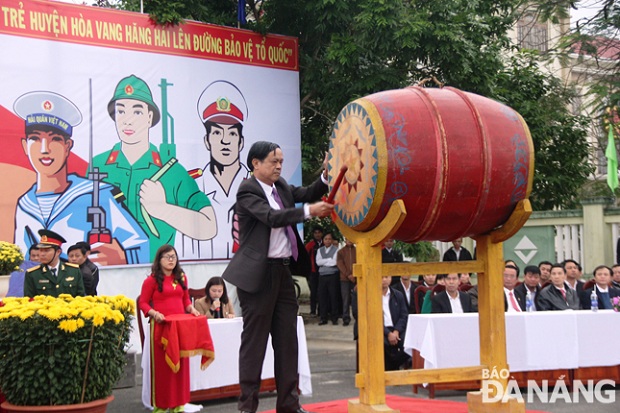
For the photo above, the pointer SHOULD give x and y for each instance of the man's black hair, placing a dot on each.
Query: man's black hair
(260, 150)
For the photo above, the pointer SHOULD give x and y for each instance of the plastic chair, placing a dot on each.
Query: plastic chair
(465, 287)
(196, 293)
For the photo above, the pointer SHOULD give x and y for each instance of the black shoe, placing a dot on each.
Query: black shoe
(302, 410)
(335, 322)
(346, 323)
(322, 322)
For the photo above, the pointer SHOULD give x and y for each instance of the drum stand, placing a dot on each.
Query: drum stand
(489, 265)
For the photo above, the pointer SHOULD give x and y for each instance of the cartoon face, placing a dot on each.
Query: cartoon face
(133, 119)
(47, 151)
(225, 143)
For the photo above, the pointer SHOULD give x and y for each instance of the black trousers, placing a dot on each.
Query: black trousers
(273, 310)
(329, 292)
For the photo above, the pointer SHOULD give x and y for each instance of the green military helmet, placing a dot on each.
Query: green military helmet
(132, 87)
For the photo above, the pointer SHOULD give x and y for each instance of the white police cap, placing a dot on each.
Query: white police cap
(49, 109)
(222, 102)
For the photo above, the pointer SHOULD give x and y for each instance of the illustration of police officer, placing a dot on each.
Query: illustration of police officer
(60, 201)
(222, 110)
(162, 197)
(53, 277)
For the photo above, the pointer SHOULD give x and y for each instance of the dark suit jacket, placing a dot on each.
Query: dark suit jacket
(550, 299)
(584, 297)
(441, 303)
(518, 298)
(398, 311)
(450, 255)
(401, 289)
(521, 293)
(248, 267)
(391, 256)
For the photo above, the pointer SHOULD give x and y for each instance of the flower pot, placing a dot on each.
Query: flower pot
(97, 406)
(4, 285)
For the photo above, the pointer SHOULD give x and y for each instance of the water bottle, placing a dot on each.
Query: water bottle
(529, 305)
(594, 300)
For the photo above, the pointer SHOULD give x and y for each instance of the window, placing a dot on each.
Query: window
(531, 34)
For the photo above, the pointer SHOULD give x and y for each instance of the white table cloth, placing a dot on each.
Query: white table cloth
(545, 340)
(224, 371)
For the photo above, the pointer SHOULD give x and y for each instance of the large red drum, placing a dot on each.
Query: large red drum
(459, 161)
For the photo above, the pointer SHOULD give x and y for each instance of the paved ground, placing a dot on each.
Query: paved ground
(332, 362)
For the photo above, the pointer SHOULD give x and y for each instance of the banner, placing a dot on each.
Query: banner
(128, 135)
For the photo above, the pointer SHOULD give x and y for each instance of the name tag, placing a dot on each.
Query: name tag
(44, 281)
(69, 278)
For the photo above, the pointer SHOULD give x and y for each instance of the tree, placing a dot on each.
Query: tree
(349, 49)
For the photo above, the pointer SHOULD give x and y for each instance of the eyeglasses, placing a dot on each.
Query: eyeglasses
(169, 257)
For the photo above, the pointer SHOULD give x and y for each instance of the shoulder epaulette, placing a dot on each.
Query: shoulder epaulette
(195, 173)
(36, 267)
(70, 264)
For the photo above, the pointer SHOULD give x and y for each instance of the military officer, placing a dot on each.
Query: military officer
(60, 201)
(164, 199)
(52, 277)
(222, 110)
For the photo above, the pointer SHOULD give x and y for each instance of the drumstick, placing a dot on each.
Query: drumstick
(332, 194)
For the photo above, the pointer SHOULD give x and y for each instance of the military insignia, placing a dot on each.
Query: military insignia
(47, 105)
(44, 238)
(112, 157)
(129, 89)
(44, 281)
(156, 158)
(69, 278)
(31, 269)
(195, 173)
(223, 104)
(70, 264)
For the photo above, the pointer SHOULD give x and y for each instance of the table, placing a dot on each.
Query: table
(547, 344)
(224, 371)
(534, 341)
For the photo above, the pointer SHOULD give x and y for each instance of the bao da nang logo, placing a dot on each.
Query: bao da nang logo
(493, 390)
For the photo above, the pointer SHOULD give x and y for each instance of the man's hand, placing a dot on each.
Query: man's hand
(152, 196)
(321, 209)
(393, 337)
(108, 254)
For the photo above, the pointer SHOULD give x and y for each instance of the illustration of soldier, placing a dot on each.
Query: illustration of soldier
(163, 198)
(62, 202)
(222, 110)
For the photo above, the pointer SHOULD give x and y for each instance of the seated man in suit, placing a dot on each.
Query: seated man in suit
(557, 295)
(451, 300)
(615, 276)
(394, 325)
(531, 284)
(573, 273)
(545, 271)
(512, 303)
(407, 288)
(602, 278)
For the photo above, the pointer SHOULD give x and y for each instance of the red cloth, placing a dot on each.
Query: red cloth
(168, 390)
(185, 335)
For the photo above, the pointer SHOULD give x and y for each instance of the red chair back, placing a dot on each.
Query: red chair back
(465, 287)
(418, 295)
(589, 284)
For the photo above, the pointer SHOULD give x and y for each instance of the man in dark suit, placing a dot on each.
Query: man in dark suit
(615, 276)
(531, 284)
(557, 295)
(573, 272)
(512, 302)
(407, 289)
(270, 250)
(394, 327)
(457, 252)
(451, 300)
(604, 292)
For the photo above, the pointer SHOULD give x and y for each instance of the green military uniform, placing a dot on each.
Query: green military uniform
(40, 281)
(180, 188)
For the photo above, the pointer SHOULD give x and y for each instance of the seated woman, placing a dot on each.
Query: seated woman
(215, 303)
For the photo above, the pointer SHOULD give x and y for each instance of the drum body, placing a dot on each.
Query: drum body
(459, 161)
